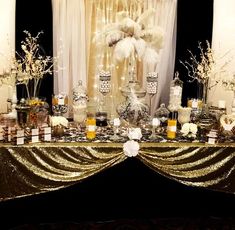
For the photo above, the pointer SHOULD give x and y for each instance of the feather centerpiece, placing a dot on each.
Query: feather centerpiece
(129, 36)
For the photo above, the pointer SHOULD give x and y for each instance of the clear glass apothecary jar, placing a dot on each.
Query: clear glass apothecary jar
(176, 88)
(133, 109)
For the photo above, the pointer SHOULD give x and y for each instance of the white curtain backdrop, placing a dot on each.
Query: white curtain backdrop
(166, 17)
(69, 44)
(69, 37)
(7, 46)
(223, 45)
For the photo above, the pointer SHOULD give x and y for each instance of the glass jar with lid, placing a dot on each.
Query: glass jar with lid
(162, 113)
(134, 109)
(176, 88)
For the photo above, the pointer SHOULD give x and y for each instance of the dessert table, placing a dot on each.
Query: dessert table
(42, 167)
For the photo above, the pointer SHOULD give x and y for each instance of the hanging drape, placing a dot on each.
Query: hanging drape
(91, 58)
(69, 44)
(165, 17)
(7, 46)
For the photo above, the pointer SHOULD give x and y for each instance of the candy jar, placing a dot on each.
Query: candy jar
(162, 113)
(176, 87)
(79, 103)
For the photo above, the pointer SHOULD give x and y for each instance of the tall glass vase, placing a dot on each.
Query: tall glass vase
(205, 109)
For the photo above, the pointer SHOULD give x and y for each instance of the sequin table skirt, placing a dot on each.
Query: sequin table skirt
(42, 167)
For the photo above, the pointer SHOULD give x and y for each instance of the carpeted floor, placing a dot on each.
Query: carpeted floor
(209, 223)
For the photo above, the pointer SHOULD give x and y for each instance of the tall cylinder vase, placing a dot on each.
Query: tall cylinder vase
(205, 108)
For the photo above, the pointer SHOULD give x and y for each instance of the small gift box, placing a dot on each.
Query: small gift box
(45, 134)
(13, 135)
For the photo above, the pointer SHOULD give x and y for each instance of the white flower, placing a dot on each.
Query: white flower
(58, 120)
(185, 129)
(189, 129)
(193, 128)
(134, 133)
(131, 148)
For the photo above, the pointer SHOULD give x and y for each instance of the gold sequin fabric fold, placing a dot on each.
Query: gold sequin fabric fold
(32, 169)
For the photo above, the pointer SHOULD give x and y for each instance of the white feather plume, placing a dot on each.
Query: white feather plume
(143, 18)
(113, 37)
(129, 26)
(124, 48)
(151, 56)
(140, 46)
(108, 29)
(128, 36)
(158, 38)
(154, 36)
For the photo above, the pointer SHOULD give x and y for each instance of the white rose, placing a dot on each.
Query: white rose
(134, 133)
(185, 129)
(131, 148)
(189, 129)
(59, 120)
(193, 128)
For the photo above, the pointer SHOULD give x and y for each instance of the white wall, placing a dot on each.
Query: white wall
(7, 45)
(223, 41)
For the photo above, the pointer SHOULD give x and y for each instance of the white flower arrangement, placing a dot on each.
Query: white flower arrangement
(129, 36)
(30, 66)
(189, 130)
(58, 121)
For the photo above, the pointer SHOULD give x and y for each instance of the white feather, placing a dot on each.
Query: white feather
(157, 40)
(143, 18)
(151, 56)
(140, 46)
(130, 27)
(137, 31)
(113, 37)
(108, 29)
(124, 48)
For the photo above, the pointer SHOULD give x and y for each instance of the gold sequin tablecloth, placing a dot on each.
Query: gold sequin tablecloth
(33, 169)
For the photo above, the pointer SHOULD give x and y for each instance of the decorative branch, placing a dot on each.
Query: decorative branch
(206, 69)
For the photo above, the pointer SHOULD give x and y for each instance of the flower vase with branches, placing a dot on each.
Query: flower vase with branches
(205, 69)
(31, 65)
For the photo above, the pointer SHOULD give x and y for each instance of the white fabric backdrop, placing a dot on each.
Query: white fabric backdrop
(166, 17)
(7, 45)
(69, 44)
(69, 32)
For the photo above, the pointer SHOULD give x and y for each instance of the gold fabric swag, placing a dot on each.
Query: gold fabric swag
(33, 169)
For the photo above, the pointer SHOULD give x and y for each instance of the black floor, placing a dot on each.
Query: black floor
(210, 223)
